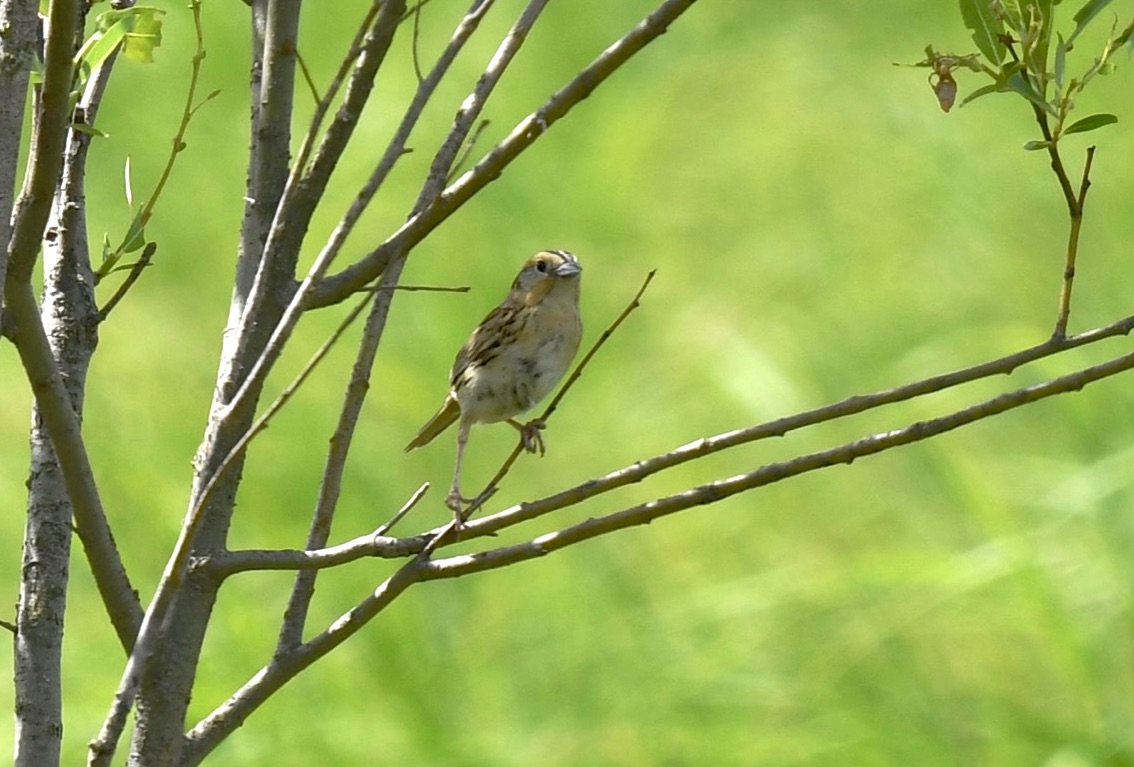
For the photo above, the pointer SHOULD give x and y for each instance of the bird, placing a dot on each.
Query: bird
(513, 359)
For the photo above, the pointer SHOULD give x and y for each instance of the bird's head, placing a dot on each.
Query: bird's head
(553, 272)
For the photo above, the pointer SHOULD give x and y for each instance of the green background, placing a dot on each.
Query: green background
(820, 229)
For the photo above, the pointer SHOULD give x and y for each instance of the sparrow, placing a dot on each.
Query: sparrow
(513, 359)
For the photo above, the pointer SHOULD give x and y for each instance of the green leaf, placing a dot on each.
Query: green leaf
(99, 46)
(1038, 41)
(89, 130)
(1084, 15)
(982, 91)
(145, 36)
(125, 267)
(1091, 122)
(129, 184)
(137, 29)
(1033, 146)
(986, 28)
(135, 235)
(1060, 61)
(1022, 85)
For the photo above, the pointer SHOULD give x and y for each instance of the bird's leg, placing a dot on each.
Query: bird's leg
(454, 499)
(530, 434)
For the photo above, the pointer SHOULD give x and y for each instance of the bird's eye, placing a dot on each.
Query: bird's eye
(541, 267)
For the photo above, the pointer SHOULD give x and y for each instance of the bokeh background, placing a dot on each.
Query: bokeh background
(820, 229)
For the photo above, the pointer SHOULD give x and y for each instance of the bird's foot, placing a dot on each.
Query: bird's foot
(456, 503)
(530, 435)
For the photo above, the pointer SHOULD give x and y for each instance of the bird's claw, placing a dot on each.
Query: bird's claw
(531, 437)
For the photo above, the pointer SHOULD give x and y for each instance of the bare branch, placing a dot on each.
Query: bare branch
(291, 661)
(295, 616)
(136, 270)
(474, 103)
(375, 544)
(1075, 212)
(17, 51)
(302, 192)
(48, 142)
(335, 288)
(177, 145)
(779, 427)
(453, 567)
(295, 308)
(27, 332)
(214, 728)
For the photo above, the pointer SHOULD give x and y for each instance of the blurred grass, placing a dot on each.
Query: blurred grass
(820, 230)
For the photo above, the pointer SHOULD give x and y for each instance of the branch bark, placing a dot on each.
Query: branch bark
(336, 287)
(17, 51)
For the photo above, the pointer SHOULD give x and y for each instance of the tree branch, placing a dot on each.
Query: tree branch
(210, 731)
(473, 104)
(334, 288)
(464, 564)
(45, 163)
(330, 487)
(290, 661)
(396, 148)
(1075, 213)
(17, 51)
(639, 471)
(375, 544)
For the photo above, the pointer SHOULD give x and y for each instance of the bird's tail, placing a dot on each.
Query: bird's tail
(441, 421)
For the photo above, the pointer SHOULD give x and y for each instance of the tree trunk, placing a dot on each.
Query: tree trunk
(70, 318)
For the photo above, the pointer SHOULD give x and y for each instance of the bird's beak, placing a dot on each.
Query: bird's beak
(569, 269)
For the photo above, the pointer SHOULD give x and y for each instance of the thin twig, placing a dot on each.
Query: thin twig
(136, 270)
(1075, 212)
(713, 492)
(330, 485)
(177, 144)
(405, 509)
(308, 79)
(231, 714)
(473, 104)
(855, 405)
(374, 544)
(493, 484)
(103, 746)
(336, 287)
(470, 145)
(330, 148)
(9, 626)
(416, 11)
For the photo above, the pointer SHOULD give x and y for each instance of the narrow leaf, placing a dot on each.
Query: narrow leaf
(986, 28)
(89, 130)
(135, 235)
(1020, 84)
(1033, 146)
(129, 184)
(1091, 122)
(1060, 62)
(100, 45)
(1084, 15)
(982, 91)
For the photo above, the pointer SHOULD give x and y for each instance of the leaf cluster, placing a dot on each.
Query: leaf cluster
(1022, 51)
